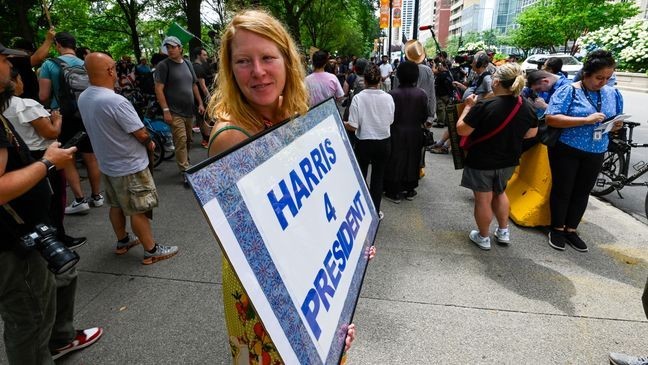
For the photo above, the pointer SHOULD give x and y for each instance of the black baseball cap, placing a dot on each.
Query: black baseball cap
(11, 52)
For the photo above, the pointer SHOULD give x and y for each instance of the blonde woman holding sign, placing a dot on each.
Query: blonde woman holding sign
(261, 83)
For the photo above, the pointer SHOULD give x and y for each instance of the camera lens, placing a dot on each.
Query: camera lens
(59, 258)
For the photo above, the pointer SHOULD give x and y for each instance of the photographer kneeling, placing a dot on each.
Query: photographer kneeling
(36, 305)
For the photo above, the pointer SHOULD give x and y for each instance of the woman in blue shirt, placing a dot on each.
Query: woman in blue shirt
(577, 157)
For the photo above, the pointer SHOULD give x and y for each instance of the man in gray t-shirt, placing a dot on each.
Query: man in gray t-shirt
(121, 142)
(176, 90)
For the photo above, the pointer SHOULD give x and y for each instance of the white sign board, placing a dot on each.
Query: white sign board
(292, 213)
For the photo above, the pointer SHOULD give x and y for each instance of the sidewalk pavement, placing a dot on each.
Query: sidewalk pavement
(429, 297)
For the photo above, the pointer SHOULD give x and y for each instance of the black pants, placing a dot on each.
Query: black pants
(573, 174)
(376, 153)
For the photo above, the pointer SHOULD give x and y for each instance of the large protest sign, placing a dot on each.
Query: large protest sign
(292, 214)
(453, 113)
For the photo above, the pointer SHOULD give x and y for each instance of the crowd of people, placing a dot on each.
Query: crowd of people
(385, 108)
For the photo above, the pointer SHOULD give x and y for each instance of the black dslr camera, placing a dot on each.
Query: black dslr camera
(59, 258)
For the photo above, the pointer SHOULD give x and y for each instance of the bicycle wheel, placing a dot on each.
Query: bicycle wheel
(646, 204)
(613, 165)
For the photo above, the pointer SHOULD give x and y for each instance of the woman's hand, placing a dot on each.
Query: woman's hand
(370, 252)
(617, 125)
(594, 118)
(471, 100)
(351, 333)
(539, 103)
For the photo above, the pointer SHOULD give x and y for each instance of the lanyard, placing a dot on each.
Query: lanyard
(589, 98)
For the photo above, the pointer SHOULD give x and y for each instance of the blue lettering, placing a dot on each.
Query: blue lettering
(317, 161)
(328, 278)
(310, 309)
(298, 188)
(307, 171)
(326, 160)
(322, 287)
(330, 150)
(278, 206)
(357, 203)
(345, 240)
(330, 270)
(339, 254)
(353, 221)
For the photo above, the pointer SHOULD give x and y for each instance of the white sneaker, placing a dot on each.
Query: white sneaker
(161, 253)
(481, 242)
(381, 215)
(503, 238)
(77, 208)
(97, 200)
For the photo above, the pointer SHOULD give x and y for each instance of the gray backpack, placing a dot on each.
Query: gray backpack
(74, 80)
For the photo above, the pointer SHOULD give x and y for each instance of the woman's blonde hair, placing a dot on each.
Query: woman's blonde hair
(228, 102)
(510, 77)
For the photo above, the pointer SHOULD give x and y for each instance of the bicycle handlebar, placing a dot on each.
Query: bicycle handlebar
(631, 124)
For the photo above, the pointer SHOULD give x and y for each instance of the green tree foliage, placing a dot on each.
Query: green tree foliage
(133, 27)
(538, 28)
(337, 26)
(559, 22)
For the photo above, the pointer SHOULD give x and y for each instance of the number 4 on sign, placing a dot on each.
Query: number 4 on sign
(328, 207)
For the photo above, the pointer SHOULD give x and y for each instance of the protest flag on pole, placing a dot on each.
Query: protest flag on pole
(182, 34)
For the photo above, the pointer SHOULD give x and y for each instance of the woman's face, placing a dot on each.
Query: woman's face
(598, 79)
(259, 69)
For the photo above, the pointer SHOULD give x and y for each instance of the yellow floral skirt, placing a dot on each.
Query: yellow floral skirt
(248, 339)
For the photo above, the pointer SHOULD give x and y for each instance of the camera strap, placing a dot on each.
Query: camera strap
(13, 213)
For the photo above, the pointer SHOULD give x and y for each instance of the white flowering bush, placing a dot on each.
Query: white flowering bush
(476, 46)
(628, 42)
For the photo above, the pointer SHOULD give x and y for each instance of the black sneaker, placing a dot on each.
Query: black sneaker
(576, 242)
(393, 198)
(410, 194)
(557, 240)
(73, 242)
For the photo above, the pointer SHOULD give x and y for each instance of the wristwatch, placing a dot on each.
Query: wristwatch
(50, 166)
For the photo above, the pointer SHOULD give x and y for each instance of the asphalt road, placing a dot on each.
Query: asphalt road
(632, 198)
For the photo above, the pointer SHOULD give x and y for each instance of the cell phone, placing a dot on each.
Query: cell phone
(75, 140)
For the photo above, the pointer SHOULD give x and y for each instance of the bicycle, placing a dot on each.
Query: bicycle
(616, 164)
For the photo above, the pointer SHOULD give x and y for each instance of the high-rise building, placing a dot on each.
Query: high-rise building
(427, 12)
(456, 9)
(477, 15)
(506, 12)
(442, 21)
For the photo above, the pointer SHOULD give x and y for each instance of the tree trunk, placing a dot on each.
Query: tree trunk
(135, 39)
(193, 22)
(24, 26)
(131, 13)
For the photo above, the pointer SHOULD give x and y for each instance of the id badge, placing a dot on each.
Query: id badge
(598, 135)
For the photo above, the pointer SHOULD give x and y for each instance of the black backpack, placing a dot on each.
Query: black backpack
(73, 81)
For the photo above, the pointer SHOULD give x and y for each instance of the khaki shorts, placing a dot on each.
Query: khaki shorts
(134, 194)
(487, 180)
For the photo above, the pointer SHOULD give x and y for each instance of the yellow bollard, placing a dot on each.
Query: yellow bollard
(529, 187)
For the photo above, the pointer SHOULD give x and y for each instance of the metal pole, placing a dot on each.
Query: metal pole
(389, 42)
(415, 23)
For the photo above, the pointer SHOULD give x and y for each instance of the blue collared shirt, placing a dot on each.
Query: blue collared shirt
(582, 137)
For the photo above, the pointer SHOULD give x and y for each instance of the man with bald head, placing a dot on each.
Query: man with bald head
(120, 142)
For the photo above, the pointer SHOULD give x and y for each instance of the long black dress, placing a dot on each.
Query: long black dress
(410, 114)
